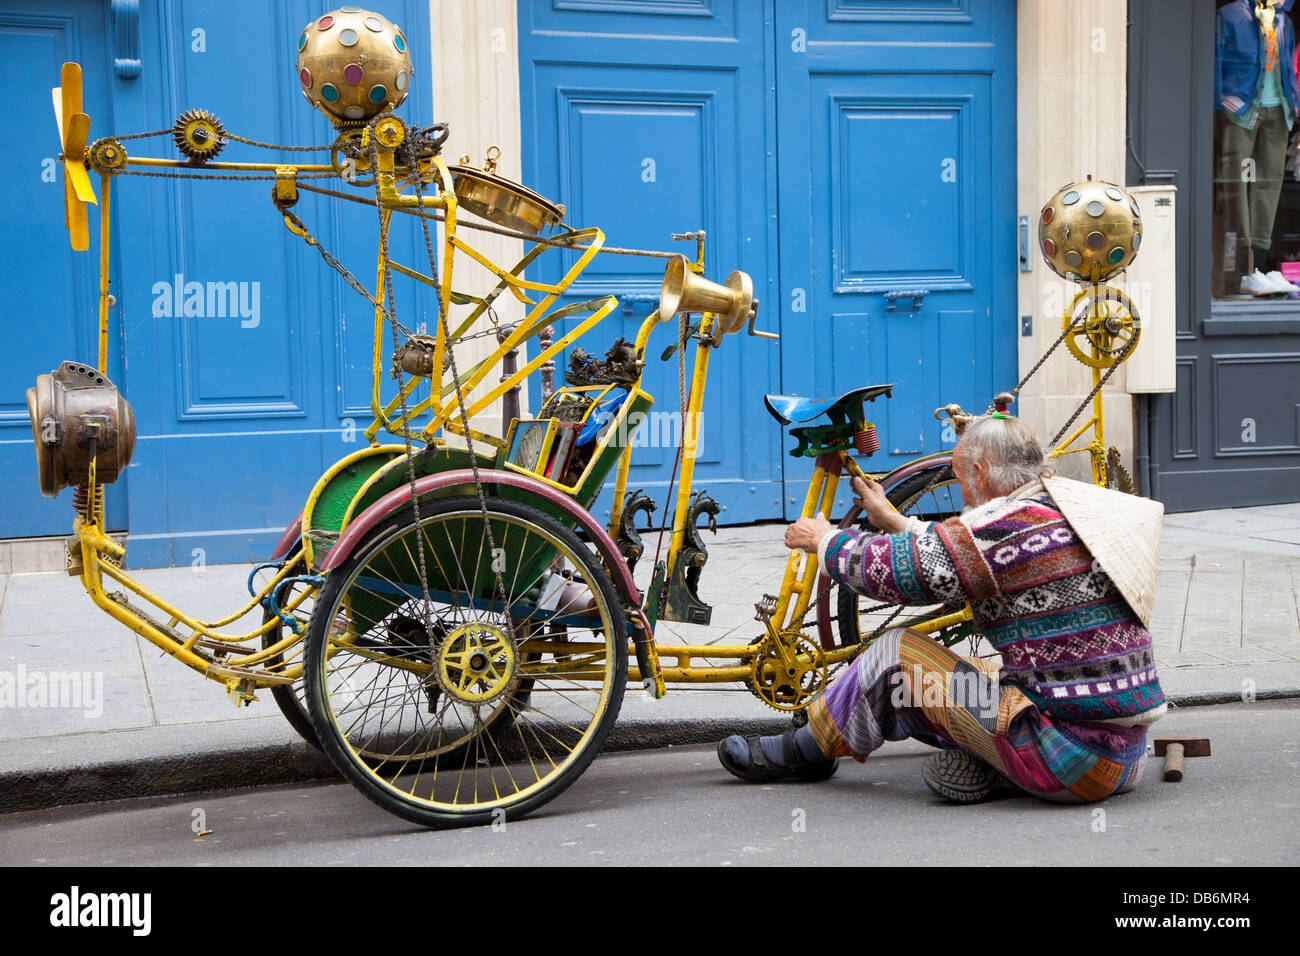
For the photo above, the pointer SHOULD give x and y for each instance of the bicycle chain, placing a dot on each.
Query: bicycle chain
(1069, 329)
(391, 311)
(226, 136)
(1119, 360)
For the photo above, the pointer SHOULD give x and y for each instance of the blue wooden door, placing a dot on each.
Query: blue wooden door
(650, 118)
(897, 147)
(240, 413)
(246, 359)
(50, 293)
(876, 139)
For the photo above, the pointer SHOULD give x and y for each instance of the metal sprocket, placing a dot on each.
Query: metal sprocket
(787, 685)
(199, 135)
(1101, 329)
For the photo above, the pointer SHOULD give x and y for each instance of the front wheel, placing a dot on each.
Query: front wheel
(480, 693)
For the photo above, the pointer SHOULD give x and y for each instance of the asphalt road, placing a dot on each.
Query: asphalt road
(1241, 806)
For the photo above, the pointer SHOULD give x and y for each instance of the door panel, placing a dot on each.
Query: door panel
(251, 357)
(645, 135)
(906, 174)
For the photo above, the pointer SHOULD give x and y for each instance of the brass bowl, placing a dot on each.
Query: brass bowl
(503, 202)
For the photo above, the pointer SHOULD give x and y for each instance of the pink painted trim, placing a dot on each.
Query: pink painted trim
(288, 539)
(912, 468)
(401, 498)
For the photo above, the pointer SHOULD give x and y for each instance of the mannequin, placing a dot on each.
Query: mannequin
(1257, 103)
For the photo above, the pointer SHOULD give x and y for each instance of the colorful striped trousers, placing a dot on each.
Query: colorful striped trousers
(905, 684)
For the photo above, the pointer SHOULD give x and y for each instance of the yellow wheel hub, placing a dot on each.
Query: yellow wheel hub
(477, 663)
(390, 132)
(107, 156)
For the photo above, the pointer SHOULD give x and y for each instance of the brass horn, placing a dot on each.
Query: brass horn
(684, 291)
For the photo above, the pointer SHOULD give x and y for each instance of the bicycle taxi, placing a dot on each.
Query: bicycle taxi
(446, 619)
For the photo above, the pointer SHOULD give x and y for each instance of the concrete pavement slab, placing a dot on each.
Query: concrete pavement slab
(1226, 628)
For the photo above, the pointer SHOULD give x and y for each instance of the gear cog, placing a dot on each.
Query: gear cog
(107, 156)
(199, 135)
(1117, 476)
(787, 685)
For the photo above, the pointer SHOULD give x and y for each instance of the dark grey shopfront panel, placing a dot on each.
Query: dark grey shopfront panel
(1230, 435)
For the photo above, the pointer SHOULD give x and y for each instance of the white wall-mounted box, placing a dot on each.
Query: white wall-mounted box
(1152, 283)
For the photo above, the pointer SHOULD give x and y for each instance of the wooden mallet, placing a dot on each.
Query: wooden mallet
(1174, 749)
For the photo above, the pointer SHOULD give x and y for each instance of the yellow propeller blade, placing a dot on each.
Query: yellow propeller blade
(77, 225)
(74, 155)
(57, 93)
(76, 174)
(74, 147)
(70, 90)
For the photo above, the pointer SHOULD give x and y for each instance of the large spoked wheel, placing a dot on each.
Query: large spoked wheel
(933, 495)
(471, 707)
(292, 698)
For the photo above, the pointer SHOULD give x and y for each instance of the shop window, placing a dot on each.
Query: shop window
(1257, 152)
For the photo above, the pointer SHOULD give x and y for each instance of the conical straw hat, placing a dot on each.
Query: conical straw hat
(1122, 531)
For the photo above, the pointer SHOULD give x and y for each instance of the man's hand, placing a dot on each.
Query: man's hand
(806, 533)
(879, 511)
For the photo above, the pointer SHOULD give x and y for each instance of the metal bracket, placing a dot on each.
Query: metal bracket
(1023, 234)
(916, 295)
(126, 38)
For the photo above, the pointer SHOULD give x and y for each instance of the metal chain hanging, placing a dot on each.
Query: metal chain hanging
(391, 312)
(1069, 330)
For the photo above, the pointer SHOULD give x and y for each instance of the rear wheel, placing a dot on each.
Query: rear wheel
(470, 706)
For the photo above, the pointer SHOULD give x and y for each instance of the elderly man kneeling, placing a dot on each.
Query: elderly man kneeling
(1065, 716)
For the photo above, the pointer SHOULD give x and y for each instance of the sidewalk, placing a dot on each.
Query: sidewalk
(1226, 626)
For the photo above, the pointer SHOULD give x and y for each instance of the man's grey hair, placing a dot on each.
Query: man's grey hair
(1008, 448)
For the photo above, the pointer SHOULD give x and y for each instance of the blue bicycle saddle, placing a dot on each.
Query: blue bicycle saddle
(789, 409)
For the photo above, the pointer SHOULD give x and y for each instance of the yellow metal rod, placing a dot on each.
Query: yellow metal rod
(690, 435)
(104, 243)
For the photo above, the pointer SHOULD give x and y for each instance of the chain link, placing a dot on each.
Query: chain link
(276, 146)
(464, 415)
(391, 311)
(1069, 329)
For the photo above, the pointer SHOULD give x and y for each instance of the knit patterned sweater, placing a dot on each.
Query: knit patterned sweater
(1067, 637)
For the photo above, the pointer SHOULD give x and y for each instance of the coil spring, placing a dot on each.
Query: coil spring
(81, 499)
(866, 440)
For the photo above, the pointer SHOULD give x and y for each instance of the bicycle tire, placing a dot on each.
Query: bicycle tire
(405, 780)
